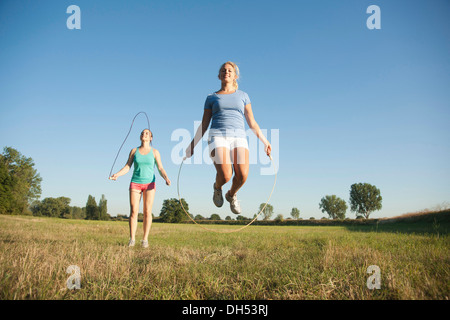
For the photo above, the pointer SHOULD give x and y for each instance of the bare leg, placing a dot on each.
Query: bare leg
(222, 162)
(135, 197)
(241, 168)
(149, 196)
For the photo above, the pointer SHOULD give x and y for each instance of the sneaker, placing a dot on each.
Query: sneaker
(217, 197)
(144, 243)
(234, 203)
(131, 243)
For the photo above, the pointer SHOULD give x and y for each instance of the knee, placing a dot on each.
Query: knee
(227, 176)
(134, 213)
(241, 177)
(147, 213)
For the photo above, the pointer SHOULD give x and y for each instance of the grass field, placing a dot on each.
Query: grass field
(186, 262)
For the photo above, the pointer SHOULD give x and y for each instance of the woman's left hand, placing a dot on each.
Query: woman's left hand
(168, 181)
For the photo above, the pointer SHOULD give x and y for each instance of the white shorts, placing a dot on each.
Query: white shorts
(226, 142)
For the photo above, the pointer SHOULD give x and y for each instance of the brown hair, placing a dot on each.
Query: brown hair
(150, 133)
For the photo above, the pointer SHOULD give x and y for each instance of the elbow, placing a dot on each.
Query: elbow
(204, 128)
(253, 125)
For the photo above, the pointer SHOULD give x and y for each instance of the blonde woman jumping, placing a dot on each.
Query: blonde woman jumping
(226, 110)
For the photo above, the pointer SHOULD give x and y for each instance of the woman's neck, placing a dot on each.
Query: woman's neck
(227, 87)
(145, 144)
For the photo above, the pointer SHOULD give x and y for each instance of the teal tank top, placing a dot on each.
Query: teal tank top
(144, 166)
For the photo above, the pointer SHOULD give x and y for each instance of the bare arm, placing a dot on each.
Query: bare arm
(255, 128)
(127, 166)
(161, 170)
(207, 114)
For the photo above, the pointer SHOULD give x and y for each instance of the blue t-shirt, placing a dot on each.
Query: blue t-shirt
(227, 113)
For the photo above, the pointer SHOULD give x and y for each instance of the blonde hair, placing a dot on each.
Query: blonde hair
(236, 70)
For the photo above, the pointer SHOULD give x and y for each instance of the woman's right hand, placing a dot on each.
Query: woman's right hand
(113, 177)
(268, 149)
(189, 151)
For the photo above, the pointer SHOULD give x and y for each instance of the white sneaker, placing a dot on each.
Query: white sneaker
(234, 203)
(144, 243)
(131, 243)
(217, 197)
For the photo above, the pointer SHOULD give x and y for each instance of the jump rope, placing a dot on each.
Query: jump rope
(228, 231)
(131, 127)
(178, 185)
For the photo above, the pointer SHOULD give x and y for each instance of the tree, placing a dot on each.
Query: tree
(52, 207)
(334, 206)
(6, 185)
(92, 210)
(199, 217)
(96, 212)
(295, 213)
(103, 208)
(58, 208)
(20, 183)
(215, 216)
(267, 212)
(364, 199)
(78, 213)
(172, 211)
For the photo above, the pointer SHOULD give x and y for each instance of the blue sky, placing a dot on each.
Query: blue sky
(350, 104)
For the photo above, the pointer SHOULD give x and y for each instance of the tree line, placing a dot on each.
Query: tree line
(20, 189)
(364, 199)
(172, 212)
(60, 208)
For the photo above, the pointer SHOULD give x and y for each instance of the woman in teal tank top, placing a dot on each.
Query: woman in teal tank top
(144, 165)
(142, 182)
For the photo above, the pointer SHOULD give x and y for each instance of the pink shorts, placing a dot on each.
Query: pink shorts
(142, 186)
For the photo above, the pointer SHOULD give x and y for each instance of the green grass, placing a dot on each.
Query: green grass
(187, 262)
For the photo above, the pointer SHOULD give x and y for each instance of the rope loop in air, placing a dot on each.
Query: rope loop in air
(234, 230)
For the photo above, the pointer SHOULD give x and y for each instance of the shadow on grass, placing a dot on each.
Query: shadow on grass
(437, 223)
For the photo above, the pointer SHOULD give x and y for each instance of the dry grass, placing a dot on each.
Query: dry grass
(185, 262)
(443, 208)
